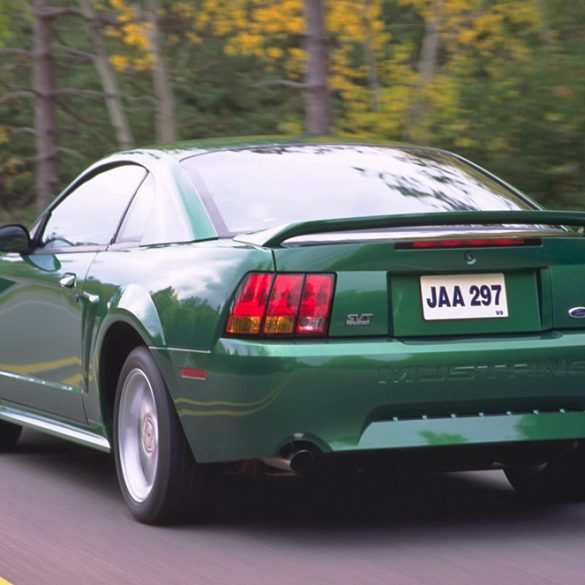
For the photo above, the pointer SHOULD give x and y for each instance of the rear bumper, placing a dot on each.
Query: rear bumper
(349, 395)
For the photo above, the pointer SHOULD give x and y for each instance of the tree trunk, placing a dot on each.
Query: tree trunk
(165, 119)
(107, 78)
(546, 34)
(430, 47)
(317, 99)
(370, 58)
(47, 180)
(418, 120)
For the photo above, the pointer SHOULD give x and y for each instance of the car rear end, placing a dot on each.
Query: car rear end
(396, 332)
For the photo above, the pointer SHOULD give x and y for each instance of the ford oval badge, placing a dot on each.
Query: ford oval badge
(577, 312)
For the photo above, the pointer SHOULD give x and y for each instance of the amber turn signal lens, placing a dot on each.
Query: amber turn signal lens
(283, 305)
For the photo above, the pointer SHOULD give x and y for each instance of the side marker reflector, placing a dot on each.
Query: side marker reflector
(193, 374)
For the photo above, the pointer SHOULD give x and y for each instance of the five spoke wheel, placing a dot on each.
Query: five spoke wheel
(138, 435)
(158, 476)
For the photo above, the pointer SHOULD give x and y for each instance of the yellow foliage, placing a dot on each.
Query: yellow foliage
(290, 127)
(118, 5)
(201, 20)
(477, 38)
(463, 142)
(274, 53)
(467, 36)
(4, 137)
(193, 37)
(184, 10)
(135, 35)
(143, 63)
(120, 62)
(113, 32)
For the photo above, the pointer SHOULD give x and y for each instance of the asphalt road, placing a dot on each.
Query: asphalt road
(63, 521)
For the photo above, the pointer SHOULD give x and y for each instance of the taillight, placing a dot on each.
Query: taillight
(468, 243)
(315, 304)
(282, 305)
(250, 305)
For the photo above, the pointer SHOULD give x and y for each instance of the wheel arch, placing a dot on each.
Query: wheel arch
(132, 320)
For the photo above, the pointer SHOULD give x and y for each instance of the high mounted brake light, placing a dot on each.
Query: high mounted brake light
(282, 305)
(468, 243)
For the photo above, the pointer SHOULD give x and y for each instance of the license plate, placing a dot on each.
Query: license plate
(464, 296)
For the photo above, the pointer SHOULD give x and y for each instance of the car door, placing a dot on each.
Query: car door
(44, 311)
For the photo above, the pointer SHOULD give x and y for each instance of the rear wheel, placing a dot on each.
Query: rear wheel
(158, 476)
(9, 435)
(562, 478)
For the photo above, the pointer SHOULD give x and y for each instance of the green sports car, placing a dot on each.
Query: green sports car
(292, 305)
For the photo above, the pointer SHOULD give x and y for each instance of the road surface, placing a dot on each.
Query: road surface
(63, 521)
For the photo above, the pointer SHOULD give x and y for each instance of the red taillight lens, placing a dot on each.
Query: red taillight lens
(468, 243)
(315, 304)
(250, 305)
(286, 304)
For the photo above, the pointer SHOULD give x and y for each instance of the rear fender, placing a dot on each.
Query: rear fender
(133, 306)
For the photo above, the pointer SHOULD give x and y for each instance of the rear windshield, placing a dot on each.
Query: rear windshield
(247, 190)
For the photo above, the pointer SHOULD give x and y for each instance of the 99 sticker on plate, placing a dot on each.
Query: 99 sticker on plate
(463, 296)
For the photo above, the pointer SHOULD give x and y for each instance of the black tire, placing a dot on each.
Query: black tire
(9, 434)
(562, 478)
(174, 485)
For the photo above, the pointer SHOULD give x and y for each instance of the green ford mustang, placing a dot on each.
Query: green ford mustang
(292, 305)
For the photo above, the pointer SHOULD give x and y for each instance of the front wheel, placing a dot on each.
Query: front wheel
(158, 476)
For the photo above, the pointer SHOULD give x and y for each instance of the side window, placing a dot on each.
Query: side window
(139, 213)
(91, 213)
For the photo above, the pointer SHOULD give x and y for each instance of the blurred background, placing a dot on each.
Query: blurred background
(501, 82)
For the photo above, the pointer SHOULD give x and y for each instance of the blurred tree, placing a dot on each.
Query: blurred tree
(140, 30)
(112, 93)
(47, 178)
(291, 40)
(165, 122)
(499, 81)
(316, 85)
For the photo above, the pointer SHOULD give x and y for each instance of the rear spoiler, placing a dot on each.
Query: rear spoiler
(273, 237)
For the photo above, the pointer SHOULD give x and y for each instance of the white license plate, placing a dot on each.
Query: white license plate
(464, 296)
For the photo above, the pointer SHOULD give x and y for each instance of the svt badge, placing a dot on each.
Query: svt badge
(359, 319)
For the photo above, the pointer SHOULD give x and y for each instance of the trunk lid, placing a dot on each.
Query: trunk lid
(382, 286)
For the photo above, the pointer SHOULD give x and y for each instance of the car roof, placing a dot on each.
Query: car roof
(181, 150)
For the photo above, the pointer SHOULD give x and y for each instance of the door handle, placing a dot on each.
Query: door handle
(68, 281)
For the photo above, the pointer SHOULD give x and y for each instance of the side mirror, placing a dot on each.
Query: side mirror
(14, 238)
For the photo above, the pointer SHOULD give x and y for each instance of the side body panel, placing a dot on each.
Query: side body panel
(42, 362)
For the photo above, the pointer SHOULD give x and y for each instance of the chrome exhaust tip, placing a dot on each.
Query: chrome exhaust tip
(297, 461)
